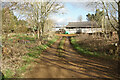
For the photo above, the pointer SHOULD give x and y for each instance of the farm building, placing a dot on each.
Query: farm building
(83, 27)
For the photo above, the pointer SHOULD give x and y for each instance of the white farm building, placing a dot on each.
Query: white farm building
(83, 27)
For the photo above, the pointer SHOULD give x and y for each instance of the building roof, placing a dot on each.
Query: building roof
(85, 24)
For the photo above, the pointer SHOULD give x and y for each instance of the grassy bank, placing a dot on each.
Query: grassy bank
(35, 53)
(85, 51)
(33, 50)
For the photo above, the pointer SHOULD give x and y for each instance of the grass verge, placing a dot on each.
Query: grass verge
(85, 51)
(34, 52)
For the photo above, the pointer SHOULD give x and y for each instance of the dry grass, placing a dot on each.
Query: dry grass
(15, 53)
(98, 44)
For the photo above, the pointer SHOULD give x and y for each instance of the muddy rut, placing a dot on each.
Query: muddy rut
(71, 65)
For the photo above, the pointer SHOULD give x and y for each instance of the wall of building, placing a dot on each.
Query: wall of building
(84, 30)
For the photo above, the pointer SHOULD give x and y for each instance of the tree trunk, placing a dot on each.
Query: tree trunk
(6, 34)
(38, 33)
(118, 32)
(118, 47)
(42, 25)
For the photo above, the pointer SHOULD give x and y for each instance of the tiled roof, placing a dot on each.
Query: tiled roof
(87, 24)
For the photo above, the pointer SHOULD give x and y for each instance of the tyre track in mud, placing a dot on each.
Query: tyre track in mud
(71, 65)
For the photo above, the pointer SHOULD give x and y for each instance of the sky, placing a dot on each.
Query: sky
(72, 11)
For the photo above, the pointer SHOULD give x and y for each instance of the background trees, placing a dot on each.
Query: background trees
(35, 15)
(98, 16)
(113, 11)
(9, 21)
(38, 13)
(11, 24)
(111, 14)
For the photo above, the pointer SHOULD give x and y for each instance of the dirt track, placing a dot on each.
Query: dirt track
(72, 65)
(66, 34)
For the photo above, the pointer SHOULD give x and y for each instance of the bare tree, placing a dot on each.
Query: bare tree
(80, 18)
(107, 8)
(38, 12)
(112, 11)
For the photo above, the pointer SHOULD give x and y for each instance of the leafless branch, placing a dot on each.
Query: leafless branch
(116, 1)
(109, 17)
(113, 7)
(114, 18)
